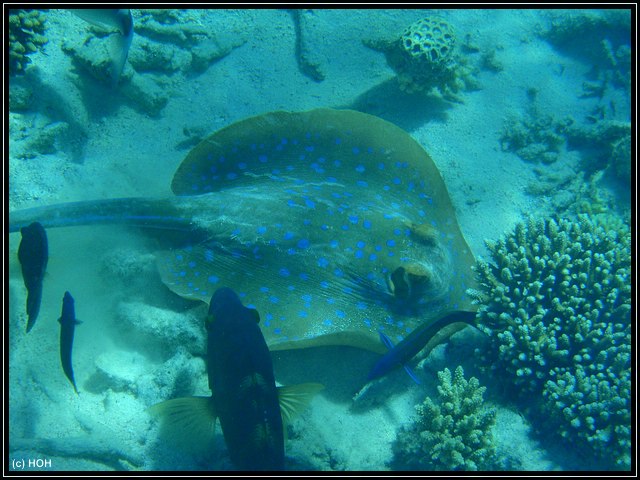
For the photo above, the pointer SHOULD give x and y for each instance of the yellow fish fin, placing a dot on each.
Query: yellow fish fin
(295, 398)
(188, 421)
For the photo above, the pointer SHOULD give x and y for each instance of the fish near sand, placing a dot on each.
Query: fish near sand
(119, 19)
(333, 224)
(68, 324)
(424, 335)
(33, 254)
(245, 399)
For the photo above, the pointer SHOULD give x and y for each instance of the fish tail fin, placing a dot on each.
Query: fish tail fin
(295, 398)
(188, 421)
(119, 53)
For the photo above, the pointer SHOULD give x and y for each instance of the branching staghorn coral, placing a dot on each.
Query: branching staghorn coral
(453, 433)
(556, 303)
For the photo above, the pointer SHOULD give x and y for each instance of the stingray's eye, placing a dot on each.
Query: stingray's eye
(408, 282)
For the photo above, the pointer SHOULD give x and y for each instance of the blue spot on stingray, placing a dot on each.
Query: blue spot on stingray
(421, 213)
(303, 243)
(388, 216)
(291, 288)
(284, 272)
(378, 248)
(337, 163)
(360, 168)
(208, 255)
(291, 251)
(359, 254)
(179, 257)
(204, 293)
(268, 316)
(306, 221)
(192, 264)
(302, 157)
(274, 299)
(360, 244)
(367, 322)
(386, 188)
(190, 284)
(333, 243)
(390, 254)
(362, 183)
(196, 274)
(306, 297)
(304, 276)
(264, 289)
(397, 231)
(260, 230)
(327, 322)
(338, 141)
(277, 331)
(291, 203)
(353, 219)
(212, 279)
(345, 227)
(232, 176)
(324, 227)
(302, 314)
(242, 165)
(361, 306)
(355, 150)
(323, 262)
(309, 203)
(310, 148)
(373, 257)
(366, 224)
(340, 313)
(324, 284)
(289, 235)
(331, 300)
(338, 273)
(263, 158)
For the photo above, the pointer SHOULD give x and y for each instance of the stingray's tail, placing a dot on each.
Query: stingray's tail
(141, 212)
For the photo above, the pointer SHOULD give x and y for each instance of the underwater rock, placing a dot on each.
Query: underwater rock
(307, 61)
(425, 59)
(535, 137)
(20, 98)
(118, 370)
(453, 433)
(157, 332)
(26, 28)
(556, 304)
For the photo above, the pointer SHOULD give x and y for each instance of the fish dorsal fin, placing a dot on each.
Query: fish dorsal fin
(188, 422)
(295, 398)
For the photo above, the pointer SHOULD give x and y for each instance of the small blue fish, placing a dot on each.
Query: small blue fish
(413, 343)
(68, 324)
(33, 254)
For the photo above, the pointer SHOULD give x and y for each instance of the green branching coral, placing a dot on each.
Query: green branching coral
(26, 28)
(556, 303)
(451, 434)
(425, 59)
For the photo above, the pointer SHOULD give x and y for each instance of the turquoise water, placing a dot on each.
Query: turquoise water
(525, 114)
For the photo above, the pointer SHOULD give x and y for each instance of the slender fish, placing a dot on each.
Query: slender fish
(33, 254)
(68, 324)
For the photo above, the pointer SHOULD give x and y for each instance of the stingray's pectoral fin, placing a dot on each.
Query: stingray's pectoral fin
(188, 422)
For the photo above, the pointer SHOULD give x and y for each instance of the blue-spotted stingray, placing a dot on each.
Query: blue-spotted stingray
(333, 224)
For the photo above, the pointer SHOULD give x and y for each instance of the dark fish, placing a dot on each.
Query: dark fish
(119, 19)
(68, 324)
(245, 398)
(414, 342)
(33, 254)
(335, 224)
